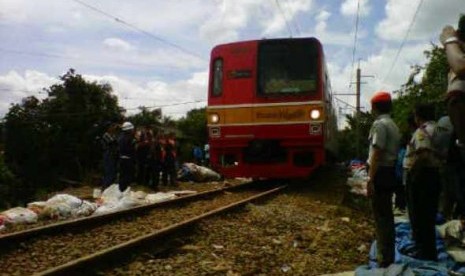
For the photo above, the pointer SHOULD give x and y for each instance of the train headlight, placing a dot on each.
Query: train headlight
(214, 118)
(315, 114)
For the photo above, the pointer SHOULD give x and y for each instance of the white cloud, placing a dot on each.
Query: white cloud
(377, 65)
(349, 7)
(14, 87)
(117, 44)
(326, 36)
(171, 97)
(432, 16)
(228, 18)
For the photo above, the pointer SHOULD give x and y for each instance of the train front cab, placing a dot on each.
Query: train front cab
(267, 135)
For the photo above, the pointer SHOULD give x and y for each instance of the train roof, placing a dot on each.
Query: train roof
(225, 45)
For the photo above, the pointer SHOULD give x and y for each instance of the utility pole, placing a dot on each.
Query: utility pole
(357, 92)
(358, 116)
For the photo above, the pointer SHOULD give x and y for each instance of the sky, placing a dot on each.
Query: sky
(155, 53)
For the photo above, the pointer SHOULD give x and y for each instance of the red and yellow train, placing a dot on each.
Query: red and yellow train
(269, 112)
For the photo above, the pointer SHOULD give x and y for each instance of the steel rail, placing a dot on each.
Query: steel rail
(100, 219)
(100, 257)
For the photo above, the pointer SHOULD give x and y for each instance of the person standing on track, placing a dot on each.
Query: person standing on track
(110, 155)
(127, 155)
(384, 141)
(423, 183)
(169, 168)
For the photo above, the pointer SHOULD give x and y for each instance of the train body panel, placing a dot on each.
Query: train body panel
(269, 108)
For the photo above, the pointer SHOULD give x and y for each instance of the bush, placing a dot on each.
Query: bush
(8, 183)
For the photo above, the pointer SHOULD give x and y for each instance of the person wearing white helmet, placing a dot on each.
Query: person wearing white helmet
(127, 153)
(126, 126)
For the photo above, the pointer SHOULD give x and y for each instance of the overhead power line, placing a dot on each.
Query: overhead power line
(407, 33)
(354, 48)
(284, 17)
(121, 21)
(67, 57)
(294, 21)
(166, 105)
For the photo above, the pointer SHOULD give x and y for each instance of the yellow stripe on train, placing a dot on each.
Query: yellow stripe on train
(250, 115)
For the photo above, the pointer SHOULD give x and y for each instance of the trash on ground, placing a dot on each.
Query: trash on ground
(19, 215)
(196, 173)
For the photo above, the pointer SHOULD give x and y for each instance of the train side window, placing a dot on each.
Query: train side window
(217, 77)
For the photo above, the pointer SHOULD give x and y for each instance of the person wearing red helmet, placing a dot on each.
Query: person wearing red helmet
(384, 141)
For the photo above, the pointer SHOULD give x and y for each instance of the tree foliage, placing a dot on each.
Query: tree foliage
(431, 88)
(353, 143)
(56, 137)
(146, 117)
(193, 128)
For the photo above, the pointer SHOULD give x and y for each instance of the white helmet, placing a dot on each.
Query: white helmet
(127, 126)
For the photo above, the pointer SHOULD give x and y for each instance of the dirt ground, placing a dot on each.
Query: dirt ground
(315, 227)
(307, 230)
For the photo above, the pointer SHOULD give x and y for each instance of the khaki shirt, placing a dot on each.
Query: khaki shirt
(421, 146)
(384, 135)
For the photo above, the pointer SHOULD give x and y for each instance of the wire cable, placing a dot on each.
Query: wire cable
(404, 40)
(284, 17)
(354, 49)
(166, 105)
(121, 21)
(93, 61)
(295, 22)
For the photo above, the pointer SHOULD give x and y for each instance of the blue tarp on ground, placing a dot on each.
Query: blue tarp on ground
(405, 264)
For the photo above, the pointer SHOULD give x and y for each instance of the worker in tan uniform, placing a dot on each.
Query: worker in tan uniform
(384, 141)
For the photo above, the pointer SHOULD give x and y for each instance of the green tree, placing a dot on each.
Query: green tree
(56, 137)
(146, 117)
(27, 148)
(194, 131)
(353, 143)
(430, 89)
(8, 185)
(76, 110)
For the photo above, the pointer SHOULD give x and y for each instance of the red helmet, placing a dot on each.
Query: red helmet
(380, 97)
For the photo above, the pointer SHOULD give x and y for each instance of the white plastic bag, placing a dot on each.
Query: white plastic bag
(97, 193)
(112, 195)
(86, 209)
(128, 202)
(37, 207)
(158, 197)
(19, 215)
(70, 200)
(57, 210)
(105, 209)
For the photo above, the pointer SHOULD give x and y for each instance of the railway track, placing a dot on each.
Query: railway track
(80, 244)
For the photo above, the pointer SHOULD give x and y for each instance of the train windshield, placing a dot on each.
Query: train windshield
(287, 67)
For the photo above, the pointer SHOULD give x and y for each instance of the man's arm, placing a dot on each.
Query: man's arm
(374, 164)
(454, 52)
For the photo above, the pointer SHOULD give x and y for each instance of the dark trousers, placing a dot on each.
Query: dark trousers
(400, 200)
(126, 175)
(154, 173)
(452, 202)
(169, 171)
(423, 188)
(384, 186)
(456, 111)
(109, 170)
(142, 166)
